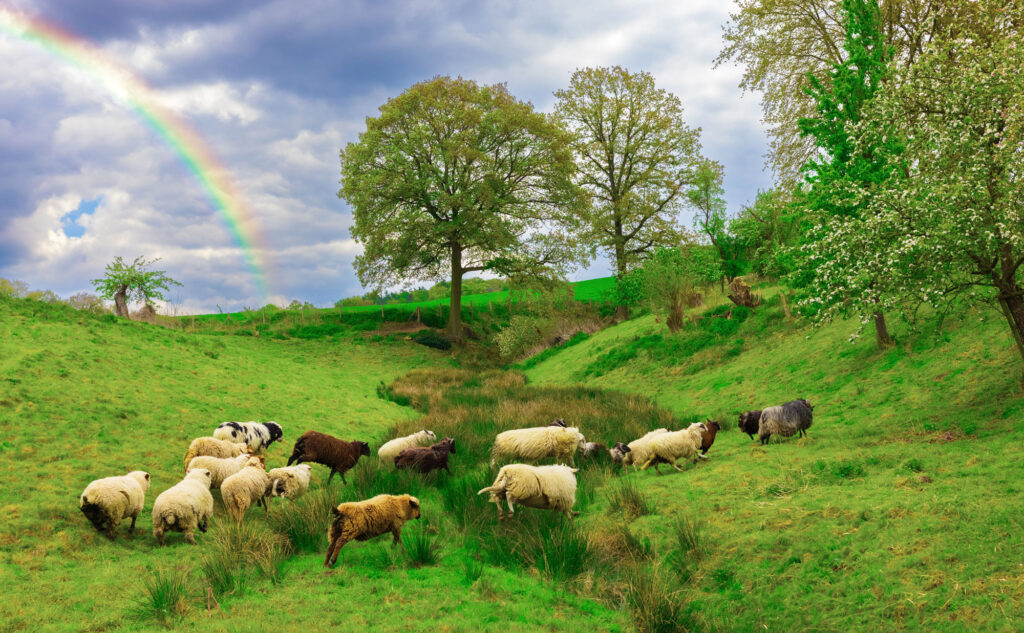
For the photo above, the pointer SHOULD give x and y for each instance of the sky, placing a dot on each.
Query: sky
(275, 89)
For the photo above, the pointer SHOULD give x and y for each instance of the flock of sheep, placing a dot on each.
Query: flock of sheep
(232, 460)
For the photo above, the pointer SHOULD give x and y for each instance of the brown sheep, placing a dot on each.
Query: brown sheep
(320, 448)
(711, 429)
(363, 520)
(427, 458)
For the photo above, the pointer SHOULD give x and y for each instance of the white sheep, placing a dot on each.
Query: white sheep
(390, 450)
(543, 487)
(538, 442)
(256, 435)
(295, 480)
(249, 486)
(220, 467)
(639, 449)
(668, 447)
(184, 507)
(105, 502)
(213, 447)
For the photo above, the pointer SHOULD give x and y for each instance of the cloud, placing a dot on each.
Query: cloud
(275, 89)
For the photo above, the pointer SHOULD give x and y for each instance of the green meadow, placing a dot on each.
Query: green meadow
(900, 511)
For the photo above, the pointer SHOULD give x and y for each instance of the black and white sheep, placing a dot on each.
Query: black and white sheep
(258, 436)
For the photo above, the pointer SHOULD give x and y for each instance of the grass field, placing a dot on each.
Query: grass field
(901, 511)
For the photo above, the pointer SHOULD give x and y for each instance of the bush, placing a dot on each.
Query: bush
(432, 339)
(521, 334)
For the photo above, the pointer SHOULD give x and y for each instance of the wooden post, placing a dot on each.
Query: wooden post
(490, 307)
(785, 306)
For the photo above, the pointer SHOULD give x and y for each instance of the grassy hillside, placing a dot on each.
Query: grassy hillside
(83, 397)
(902, 509)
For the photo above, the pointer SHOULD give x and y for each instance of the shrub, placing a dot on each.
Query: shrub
(521, 334)
(432, 339)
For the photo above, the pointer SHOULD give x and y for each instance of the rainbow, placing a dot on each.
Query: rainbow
(190, 148)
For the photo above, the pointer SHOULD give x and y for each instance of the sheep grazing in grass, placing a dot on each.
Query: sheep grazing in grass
(258, 436)
(363, 520)
(786, 420)
(220, 467)
(390, 450)
(184, 507)
(320, 448)
(594, 449)
(618, 452)
(711, 429)
(539, 442)
(249, 486)
(105, 502)
(669, 447)
(541, 487)
(294, 480)
(212, 447)
(639, 449)
(425, 459)
(749, 422)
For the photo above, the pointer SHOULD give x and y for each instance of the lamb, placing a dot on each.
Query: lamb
(184, 507)
(212, 447)
(711, 429)
(320, 448)
(542, 487)
(538, 443)
(220, 467)
(248, 486)
(618, 452)
(258, 436)
(789, 419)
(106, 501)
(749, 422)
(390, 450)
(593, 449)
(295, 480)
(669, 447)
(426, 459)
(639, 449)
(363, 520)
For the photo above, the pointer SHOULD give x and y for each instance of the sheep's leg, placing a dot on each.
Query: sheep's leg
(202, 525)
(158, 532)
(131, 528)
(333, 550)
(447, 470)
(511, 510)
(330, 477)
(343, 478)
(190, 535)
(112, 529)
(397, 533)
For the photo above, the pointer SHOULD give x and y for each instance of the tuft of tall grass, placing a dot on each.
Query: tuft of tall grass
(421, 547)
(553, 544)
(164, 596)
(627, 498)
(239, 550)
(303, 522)
(688, 547)
(656, 604)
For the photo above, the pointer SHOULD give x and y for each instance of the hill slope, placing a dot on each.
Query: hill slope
(901, 510)
(83, 397)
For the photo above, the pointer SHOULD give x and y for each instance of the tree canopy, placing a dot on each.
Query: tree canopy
(455, 177)
(124, 283)
(634, 155)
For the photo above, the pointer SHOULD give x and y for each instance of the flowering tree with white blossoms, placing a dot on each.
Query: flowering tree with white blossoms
(951, 213)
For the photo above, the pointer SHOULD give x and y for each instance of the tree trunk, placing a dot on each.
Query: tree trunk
(882, 332)
(1013, 309)
(121, 301)
(621, 311)
(454, 328)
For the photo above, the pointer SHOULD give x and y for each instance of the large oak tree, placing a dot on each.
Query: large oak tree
(454, 177)
(635, 156)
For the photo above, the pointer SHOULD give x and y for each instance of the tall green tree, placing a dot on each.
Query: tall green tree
(843, 274)
(706, 197)
(125, 282)
(455, 177)
(952, 210)
(635, 156)
(779, 43)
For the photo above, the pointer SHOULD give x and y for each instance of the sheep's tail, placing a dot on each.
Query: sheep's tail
(297, 452)
(488, 489)
(189, 455)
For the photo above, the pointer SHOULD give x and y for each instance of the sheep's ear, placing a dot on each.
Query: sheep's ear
(334, 511)
(147, 476)
(413, 504)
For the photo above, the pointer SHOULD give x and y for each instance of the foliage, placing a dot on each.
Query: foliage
(634, 155)
(13, 288)
(779, 43)
(454, 177)
(431, 339)
(129, 282)
(670, 279)
(766, 229)
(87, 301)
(705, 195)
(164, 596)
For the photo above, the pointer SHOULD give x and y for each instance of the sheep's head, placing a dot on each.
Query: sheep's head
(200, 474)
(809, 405)
(364, 448)
(713, 426)
(618, 452)
(450, 443)
(142, 477)
(430, 434)
(256, 461)
(558, 422)
(276, 432)
(414, 507)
